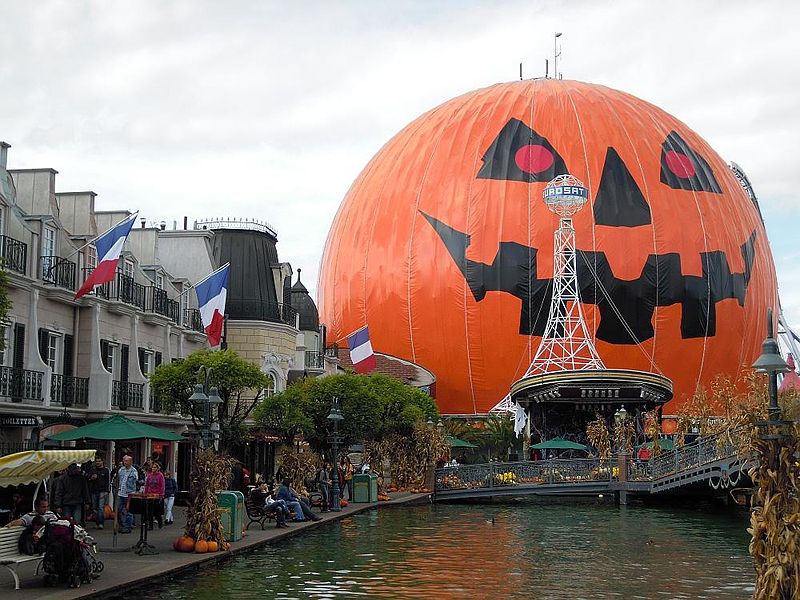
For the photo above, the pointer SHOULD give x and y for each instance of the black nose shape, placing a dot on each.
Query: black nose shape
(619, 201)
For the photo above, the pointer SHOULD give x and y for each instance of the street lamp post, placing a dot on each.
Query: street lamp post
(771, 363)
(335, 417)
(208, 399)
(620, 418)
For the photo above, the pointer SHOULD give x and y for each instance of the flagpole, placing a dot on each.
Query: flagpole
(210, 275)
(94, 239)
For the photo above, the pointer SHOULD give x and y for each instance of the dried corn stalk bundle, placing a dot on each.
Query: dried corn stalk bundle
(409, 457)
(624, 434)
(652, 428)
(299, 467)
(775, 518)
(211, 472)
(697, 414)
(597, 434)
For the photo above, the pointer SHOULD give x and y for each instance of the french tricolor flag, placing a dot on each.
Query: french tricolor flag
(211, 295)
(361, 353)
(109, 247)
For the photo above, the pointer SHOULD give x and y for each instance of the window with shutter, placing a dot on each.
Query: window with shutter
(123, 362)
(69, 351)
(19, 346)
(158, 359)
(44, 338)
(143, 361)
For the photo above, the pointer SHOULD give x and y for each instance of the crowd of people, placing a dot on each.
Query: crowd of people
(286, 504)
(83, 493)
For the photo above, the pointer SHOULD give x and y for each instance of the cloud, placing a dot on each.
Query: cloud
(271, 109)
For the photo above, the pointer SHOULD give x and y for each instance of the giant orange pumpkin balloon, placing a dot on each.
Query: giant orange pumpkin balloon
(444, 247)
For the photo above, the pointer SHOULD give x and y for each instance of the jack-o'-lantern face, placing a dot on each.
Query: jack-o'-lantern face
(444, 247)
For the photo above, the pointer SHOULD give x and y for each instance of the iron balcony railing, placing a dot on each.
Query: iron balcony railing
(703, 450)
(69, 391)
(331, 351)
(14, 447)
(504, 474)
(157, 404)
(260, 310)
(58, 271)
(315, 360)
(192, 319)
(157, 301)
(15, 254)
(20, 384)
(126, 395)
(121, 289)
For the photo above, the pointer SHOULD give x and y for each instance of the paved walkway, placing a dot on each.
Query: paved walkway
(124, 570)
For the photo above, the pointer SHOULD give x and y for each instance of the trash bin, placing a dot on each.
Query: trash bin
(373, 487)
(362, 485)
(231, 514)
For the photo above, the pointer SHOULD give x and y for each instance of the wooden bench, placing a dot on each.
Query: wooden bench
(256, 514)
(10, 556)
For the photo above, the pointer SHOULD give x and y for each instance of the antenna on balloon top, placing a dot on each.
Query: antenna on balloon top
(556, 54)
(546, 68)
(520, 71)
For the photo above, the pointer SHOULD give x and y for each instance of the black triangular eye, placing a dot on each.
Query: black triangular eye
(518, 153)
(684, 169)
(619, 201)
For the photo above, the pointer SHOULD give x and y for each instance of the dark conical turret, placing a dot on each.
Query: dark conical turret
(305, 307)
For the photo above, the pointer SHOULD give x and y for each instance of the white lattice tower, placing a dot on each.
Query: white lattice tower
(566, 344)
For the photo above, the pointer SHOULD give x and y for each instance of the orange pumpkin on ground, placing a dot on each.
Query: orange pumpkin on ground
(213, 546)
(185, 544)
(201, 547)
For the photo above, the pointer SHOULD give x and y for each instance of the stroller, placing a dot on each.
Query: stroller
(70, 554)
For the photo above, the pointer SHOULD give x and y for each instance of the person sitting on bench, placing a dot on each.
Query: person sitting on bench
(262, 498)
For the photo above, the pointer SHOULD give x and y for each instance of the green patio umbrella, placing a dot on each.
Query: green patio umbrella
(116, 427)
(558, 444)
(454, 442)
(665, 444)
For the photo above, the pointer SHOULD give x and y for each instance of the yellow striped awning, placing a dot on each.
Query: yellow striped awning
(35, 465)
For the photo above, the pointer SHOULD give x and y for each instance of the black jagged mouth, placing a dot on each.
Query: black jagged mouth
(625, 306)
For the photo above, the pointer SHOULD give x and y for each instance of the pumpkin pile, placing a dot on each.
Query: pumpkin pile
(203, 532)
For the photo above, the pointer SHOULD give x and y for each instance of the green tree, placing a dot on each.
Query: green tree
(372, 405)
(498, 436)
(240, 385)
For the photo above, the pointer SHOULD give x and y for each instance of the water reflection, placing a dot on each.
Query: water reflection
(494, 551)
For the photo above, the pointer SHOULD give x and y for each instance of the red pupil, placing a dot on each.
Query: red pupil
(680, 164)
(534, 158)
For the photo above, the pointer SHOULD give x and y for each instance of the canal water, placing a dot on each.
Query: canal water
(565, 550)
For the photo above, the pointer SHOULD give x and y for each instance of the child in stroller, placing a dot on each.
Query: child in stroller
(69, 555)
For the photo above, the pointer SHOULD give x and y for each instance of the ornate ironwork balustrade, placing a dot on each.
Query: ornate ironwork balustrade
(69, 391)
(15, 254)
(126, 395)
(20, 384)
(58, 271)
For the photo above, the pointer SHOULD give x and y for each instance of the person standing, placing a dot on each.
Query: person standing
(154, 484)
(127, 477)
(347, 472)
(170, 489)
(99, 484)
(324, 481)
(73, 494)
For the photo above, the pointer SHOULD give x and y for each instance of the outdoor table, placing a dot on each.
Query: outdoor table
(146, 506)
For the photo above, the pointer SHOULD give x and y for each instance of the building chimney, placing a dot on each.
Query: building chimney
(143, 221)
(185, 223)
(174, 225)
(4, 154)
(162, 225)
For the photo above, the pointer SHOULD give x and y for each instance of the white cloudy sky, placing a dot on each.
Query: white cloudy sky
(270, 109)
